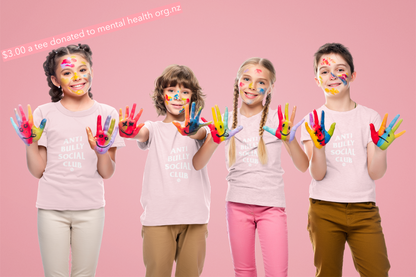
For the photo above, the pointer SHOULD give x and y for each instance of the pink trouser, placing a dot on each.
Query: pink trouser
(270, 222)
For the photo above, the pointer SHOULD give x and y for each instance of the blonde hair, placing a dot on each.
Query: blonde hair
(261, 149)
(172, 76)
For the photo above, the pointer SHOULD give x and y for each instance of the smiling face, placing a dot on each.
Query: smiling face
(176, 98)
(254, 84)
(73, 74)
(334, 75)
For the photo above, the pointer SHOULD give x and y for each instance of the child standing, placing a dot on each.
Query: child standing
(175, 197)
(70, 197)
(255, 197)
(342, 190)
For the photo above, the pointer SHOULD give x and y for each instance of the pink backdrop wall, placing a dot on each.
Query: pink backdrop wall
(213, 39)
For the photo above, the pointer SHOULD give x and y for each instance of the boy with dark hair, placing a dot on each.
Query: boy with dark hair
(342, 190)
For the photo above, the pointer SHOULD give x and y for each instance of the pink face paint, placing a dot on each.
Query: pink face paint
(258, 71)
(65, 63)
(241, 84)
(343, 78)
(327, 61)
(168, 98)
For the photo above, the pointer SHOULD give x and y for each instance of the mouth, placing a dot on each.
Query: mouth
(320, 140)
(383, 139)
(101, 146)
(223, 135)
(177, 106)
(334, 85)
(78, 86)
(283, 134)
(126, 133)
(250, 95)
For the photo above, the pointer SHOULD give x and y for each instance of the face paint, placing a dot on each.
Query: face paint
(66, 62)
(343, 78)
(176, 97)
(245, 70)
(327, 61)
(241, 84)
(75, 76)
(262, 91)
(258, 71)
(332, 90)
(320, 80)
(250, 86)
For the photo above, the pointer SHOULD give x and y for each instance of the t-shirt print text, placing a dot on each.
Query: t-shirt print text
(248, 150)
(178, 163)
(72, 150)
(343, 148)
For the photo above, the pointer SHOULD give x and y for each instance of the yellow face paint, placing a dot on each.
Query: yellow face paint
(250, 86)
(75, 76)
(320, 81)
(332, 90)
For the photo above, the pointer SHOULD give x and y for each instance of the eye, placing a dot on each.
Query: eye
(106, 138)
(185, 92)
(67, 73)
(83, 70)
(170, 90)
(288, 128)
(24, 125)
(262, 83)
(388, 135)
(220, 127)
(21, 130)
(131, 123)
(124, 123)
(245, 79)
(341, 69)
(100, 136)
(324, 72)
(283, 125)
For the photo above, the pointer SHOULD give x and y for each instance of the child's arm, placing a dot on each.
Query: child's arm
(299, 158)
(317, 160)
(204, 154)
(36, 159)
(106, 164)
(377, 150)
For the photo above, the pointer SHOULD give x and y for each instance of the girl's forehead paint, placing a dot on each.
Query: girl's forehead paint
(66, 62)
(83, 62)
(258, 71)
(245, 70)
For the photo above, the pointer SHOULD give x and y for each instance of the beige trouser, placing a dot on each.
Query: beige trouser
(60, 230)
(183, 243)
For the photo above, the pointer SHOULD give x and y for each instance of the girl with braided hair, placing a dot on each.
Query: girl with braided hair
(255, 197)
(70, 198)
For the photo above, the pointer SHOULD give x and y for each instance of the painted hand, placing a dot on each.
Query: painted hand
(285, 131)
(192, 124)
(25, 129)
(127, 126)
(318, 133)
(219, 130)
(385, 136)
(103, 138)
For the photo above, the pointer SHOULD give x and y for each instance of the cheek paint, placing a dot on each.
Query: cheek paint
(332, 90)
(185, 100)
(320, 80)
(168, 98)
(343, 78)
(261, 90)
(241, 84)
(65, 81)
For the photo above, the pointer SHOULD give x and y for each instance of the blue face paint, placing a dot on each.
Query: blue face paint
(261, 90)
(176, 97)
(332, 74)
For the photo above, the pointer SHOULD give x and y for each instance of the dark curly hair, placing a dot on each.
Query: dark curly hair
(49, 66)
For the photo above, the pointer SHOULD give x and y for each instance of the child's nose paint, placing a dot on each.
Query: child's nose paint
(332, 74)
(176, 97)
(250, 85)
(75, 76)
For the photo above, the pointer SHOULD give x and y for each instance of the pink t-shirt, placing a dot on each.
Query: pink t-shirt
(173, 192)
(249, 181)
(71, 180)
(346, 179)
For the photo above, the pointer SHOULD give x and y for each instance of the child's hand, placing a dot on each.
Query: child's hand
(219, 130)
(191, 125)
(104, 138)
(319, 135)
(26, 131)
(283, 131)
(127, 126)
(385, 136)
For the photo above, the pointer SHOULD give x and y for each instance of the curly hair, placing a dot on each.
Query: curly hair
(176, 75)
(51, 63)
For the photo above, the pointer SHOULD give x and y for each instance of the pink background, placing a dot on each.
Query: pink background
(213, 39)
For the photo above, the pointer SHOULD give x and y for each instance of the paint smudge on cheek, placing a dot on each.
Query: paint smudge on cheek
(343, 78)
(241, 84)
(65, 81)
(332, 91)
(261, 90)
(320, 80)
(185, 100)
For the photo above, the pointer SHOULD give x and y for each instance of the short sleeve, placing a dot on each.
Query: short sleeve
(119, 141)
(37, 118)
(146, 145)
(304, 135)
(376, 120)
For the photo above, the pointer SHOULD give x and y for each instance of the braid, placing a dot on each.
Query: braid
(231, 150)
(261, 149)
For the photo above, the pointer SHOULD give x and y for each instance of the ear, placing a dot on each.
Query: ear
(353, 76)
(55, 81)
(317, 82)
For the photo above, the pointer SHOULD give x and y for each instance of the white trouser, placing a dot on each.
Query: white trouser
(80, 230)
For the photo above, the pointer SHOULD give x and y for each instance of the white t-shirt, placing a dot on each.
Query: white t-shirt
(249, 181)
(346, 179)
(71, 180)
(173, 192)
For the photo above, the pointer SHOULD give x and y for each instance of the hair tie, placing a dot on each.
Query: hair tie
(56, 52)
(79, 46)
